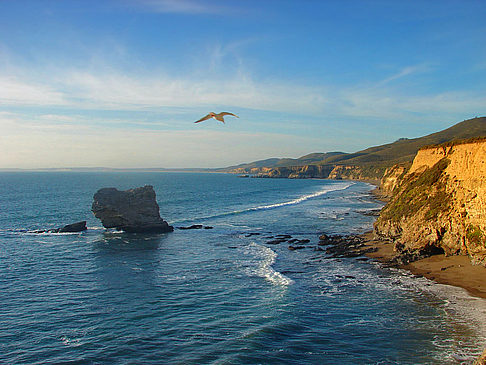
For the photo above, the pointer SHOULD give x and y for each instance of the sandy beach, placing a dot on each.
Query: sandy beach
(450, 270)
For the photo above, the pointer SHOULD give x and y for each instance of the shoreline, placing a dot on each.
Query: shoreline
(450, 270)
(456, 270)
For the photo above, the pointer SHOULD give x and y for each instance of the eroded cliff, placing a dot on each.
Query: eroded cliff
(439, 205)
(338, 172)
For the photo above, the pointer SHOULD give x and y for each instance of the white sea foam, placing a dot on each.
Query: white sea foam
(303, 198)
(262, 266)
(459, 307)
(73, 342)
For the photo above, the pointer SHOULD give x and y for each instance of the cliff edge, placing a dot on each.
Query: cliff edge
(439, 204)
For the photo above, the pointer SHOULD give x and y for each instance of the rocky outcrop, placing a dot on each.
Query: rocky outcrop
(75, 227)
(439, 205)
(351, 172)
(70, 228)
(134, 210)
(392, 178)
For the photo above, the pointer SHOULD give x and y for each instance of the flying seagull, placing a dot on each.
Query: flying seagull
(216, 116)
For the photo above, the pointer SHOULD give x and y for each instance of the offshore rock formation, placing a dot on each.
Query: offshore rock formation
(439, 205)
(134, 210)
(70, 228)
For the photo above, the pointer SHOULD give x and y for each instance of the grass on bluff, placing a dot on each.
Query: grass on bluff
(427, 190)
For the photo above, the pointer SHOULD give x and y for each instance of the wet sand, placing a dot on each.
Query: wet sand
(450, 270)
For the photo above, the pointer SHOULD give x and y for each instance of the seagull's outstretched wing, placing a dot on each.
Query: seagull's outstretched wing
(209, 116)
(227, 113)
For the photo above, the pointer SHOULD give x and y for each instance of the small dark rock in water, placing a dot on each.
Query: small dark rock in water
(274, 242)
(323, 237)
(298, 242)
(344, 246)
(70, 228)
(208, 227)
(372, 213)
(194, 226)
(286, 236)
(75, 227)
(134, 210)
(293, 248)
(304, 241)
(253, 234)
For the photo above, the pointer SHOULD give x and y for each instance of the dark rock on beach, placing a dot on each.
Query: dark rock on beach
(134, 210)
(344, 246)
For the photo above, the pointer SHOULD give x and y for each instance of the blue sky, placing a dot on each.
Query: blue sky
(120, 83)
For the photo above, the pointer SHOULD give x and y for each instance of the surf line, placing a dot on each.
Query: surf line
(298, 200)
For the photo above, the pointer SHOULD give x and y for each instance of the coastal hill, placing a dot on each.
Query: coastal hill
(369, 163)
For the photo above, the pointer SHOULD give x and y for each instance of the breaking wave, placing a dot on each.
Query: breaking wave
(262, 266)
(303, 198)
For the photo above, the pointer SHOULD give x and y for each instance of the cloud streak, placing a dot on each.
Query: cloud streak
(80, 89)
(406, 71)
(19, 92)
(182, 7)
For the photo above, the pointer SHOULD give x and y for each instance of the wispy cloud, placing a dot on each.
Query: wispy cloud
(406, 71)
(56, 118)
(183, 6)
(19, 92)
(83, 89)
(115, 91)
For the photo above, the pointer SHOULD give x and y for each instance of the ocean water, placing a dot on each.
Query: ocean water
(215, 296)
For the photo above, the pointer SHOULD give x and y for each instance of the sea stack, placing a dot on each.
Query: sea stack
(133, 210)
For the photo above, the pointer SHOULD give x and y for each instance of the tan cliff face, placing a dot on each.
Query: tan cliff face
(440, 204)
(337, 172)
(392, 178)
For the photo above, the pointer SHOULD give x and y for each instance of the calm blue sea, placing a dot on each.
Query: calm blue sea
(212, 296)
